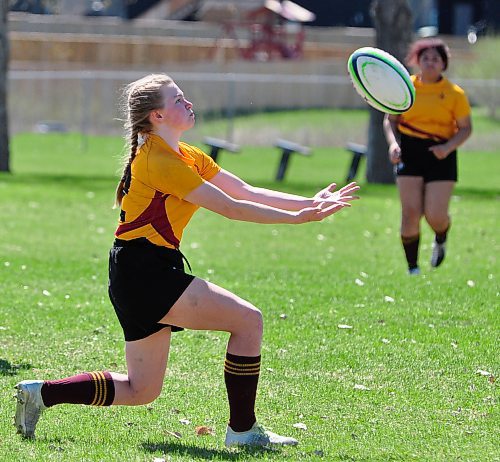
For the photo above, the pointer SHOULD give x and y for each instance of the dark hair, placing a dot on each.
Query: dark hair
(141, 97)
(420, 46)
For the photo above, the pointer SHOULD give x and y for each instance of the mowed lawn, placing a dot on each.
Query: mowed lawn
(360, 361)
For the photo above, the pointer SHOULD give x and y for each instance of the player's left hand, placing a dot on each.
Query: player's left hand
(329, 194)
(441, 151)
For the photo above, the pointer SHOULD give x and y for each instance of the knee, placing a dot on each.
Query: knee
(252, 323)
(144, 395)
(254, 320)
(437, 221)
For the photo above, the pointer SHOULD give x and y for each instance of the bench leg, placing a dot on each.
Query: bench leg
(285, 157)
(214, 153)
(353, 169)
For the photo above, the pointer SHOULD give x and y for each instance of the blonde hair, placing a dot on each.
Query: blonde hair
(139, 99)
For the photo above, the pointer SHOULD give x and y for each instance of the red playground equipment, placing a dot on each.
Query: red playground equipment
(273, 31)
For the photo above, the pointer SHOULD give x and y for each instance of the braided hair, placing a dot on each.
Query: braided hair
(140, 98)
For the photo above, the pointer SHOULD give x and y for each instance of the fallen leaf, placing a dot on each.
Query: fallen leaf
(484, 373)
(360, 387)
(300, 426)
(174, 434)
(204, 430)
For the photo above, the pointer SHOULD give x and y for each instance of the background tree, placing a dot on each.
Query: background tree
(394, 32)
(4, 59)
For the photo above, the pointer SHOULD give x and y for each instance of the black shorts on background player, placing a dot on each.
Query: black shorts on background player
(417, 160)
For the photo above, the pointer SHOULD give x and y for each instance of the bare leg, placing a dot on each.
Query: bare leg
(437, 200)
(146, 363)
(411, 193)
(205, 306)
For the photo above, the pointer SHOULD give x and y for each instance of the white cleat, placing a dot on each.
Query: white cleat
(257, 436)
(438, 254)
(29, 407)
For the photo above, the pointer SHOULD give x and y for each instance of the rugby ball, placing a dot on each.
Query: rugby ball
(381, 80)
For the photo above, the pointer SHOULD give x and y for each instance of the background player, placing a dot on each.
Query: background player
(422, 145)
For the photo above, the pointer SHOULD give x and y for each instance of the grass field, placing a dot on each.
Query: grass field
(402, 384)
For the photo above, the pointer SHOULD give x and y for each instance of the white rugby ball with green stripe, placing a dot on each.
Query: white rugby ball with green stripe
(381, 80)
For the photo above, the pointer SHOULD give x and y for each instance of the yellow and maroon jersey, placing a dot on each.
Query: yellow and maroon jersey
(435, 111)
(161, 177)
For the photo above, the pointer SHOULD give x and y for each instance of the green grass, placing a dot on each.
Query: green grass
(417, 355)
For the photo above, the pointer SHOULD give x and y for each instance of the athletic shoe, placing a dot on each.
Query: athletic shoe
(438, 254)
(414, 271)
(257, 436)
(29, 407)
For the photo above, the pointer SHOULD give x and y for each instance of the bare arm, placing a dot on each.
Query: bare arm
(391, 131)
(238, 189)
(464, 125)
(211, 197)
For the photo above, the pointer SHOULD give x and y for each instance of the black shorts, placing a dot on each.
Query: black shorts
(145, 280)
(417, 160)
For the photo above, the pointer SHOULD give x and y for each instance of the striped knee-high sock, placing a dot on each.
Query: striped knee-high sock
(92, 388)
(241, 374)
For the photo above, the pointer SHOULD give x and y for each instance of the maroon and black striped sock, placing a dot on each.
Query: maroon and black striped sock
(92, 388)
(241, 374)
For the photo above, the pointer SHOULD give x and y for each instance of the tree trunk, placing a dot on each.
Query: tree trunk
(4, 59)
(393, 27)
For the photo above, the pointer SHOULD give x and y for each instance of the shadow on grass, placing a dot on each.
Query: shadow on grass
(196, 452)
(8, 369)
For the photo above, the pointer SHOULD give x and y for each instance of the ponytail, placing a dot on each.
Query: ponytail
(124, 183)
(139, 99)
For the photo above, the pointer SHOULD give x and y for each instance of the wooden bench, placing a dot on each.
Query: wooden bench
(51, 126)
(217, 145)
(358, 151)
(287, 149)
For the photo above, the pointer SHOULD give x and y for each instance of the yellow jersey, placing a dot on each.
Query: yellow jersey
(154, 207)
(435, 111)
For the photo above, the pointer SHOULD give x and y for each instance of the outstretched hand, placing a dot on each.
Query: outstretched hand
(329, 194)
(327, 202)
